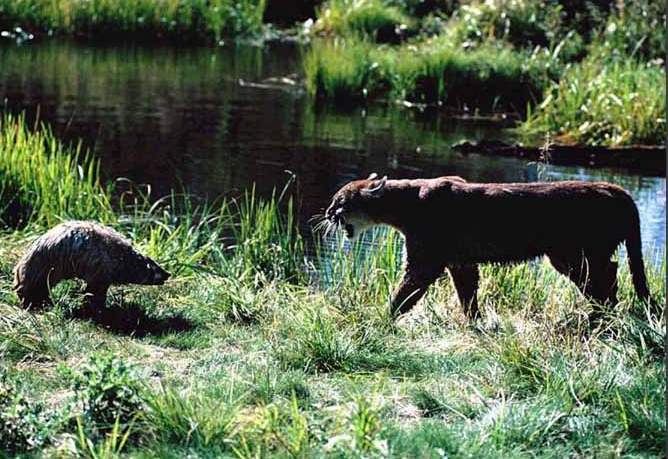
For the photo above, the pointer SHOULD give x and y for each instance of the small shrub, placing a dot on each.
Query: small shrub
(25, 424)
(636, 30)
(108, 389)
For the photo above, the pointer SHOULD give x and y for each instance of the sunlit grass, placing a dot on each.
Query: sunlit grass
(365, 17)
(41, 181)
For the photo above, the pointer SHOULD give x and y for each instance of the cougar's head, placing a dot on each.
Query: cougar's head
(350, 206)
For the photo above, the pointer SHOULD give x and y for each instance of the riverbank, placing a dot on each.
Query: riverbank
(580, 74)
(170, 20)
(642, 159)
(242, 354)
(574, 72)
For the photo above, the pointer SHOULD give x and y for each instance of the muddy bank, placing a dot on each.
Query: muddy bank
(646, 159)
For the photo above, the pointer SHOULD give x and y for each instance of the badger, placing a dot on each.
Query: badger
(84, 250)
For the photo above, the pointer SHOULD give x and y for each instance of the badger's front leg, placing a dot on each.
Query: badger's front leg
(420, 273)
(94, 297)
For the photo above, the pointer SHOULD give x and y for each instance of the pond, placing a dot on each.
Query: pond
(216, 120)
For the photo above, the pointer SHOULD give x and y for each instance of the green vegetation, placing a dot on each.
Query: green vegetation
(131, 19)
(367, 17)
(505, 55)
(244, 353)
(42, 182)
(487, 77)
(595, 102)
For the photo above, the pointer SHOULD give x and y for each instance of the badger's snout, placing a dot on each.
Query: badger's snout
(160, 276)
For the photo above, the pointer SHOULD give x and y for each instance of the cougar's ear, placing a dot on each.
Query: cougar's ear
(376, 188)
(373, 176)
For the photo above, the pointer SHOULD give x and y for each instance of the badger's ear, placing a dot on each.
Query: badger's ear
(373, 176)
(376, 188)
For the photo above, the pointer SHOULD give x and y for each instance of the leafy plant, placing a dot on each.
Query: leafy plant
(108, 389)
(24, 424)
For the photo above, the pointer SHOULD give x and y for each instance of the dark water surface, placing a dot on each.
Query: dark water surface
(217, 120)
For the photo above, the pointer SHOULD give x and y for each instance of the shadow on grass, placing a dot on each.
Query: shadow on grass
(131, 319)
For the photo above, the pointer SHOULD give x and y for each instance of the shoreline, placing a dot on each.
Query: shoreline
(645, 159)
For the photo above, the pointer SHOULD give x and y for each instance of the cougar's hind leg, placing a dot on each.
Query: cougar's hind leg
(608, 282)
(466, 278)
(576, 268)
(594, 274)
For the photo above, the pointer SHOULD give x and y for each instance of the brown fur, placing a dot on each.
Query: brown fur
(450, 223)
(83, 250)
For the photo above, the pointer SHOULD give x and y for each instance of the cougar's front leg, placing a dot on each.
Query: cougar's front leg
(419, 275)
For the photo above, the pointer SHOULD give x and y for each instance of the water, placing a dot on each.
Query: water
(217, 120)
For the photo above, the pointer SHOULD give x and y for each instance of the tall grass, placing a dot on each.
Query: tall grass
(41, 181)
(604, 103)
(190, 418)
(434, 71)
(126, 19)
(341, 71)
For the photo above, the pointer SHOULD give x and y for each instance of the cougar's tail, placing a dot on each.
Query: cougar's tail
(636, 264)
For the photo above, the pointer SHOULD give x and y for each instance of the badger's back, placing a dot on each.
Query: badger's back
(81, 249)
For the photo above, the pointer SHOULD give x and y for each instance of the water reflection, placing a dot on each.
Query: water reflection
(216, 120)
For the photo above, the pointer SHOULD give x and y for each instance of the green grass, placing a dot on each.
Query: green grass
(434, 71)
(269, 362)
(610, 103)
(131, 19)
(43, 182)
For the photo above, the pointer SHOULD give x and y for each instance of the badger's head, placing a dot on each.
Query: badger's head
(352, 206)
(136, 268)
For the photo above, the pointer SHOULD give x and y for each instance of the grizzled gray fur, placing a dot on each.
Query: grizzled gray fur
(83, 250)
